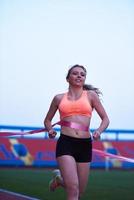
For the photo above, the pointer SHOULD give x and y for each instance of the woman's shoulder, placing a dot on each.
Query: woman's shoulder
(58, 98)
(92, 94)
(93, 97)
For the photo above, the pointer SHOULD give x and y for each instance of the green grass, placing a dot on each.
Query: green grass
(112, 185)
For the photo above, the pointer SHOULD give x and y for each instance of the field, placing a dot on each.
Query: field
(111, 185)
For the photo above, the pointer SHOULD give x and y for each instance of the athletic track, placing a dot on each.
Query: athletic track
(8, 195)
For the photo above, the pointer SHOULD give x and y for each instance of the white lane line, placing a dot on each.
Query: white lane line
(17, 194)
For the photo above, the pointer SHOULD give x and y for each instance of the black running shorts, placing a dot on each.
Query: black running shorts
(79, 148)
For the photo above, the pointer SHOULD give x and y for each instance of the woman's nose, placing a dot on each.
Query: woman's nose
(79, 76)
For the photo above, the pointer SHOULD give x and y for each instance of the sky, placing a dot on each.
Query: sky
(41, 39)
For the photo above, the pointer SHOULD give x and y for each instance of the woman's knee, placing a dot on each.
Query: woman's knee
(81, 192)
(72, 188)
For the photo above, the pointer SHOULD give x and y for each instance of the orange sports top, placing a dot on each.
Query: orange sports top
(80, 106)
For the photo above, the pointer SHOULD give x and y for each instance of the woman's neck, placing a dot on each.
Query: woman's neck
(75, 92)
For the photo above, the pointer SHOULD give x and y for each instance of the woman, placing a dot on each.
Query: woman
(74, 146)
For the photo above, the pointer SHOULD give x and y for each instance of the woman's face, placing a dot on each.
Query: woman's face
(77, 77)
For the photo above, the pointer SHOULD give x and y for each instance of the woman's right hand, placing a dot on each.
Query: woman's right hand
(52, 133)
(96, 135)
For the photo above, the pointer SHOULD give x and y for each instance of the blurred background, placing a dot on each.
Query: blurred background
(40, 40)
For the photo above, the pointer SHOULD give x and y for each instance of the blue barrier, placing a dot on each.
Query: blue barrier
(108, 134)
(15, 151)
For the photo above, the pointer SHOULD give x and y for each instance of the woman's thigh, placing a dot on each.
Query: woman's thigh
(68, 168)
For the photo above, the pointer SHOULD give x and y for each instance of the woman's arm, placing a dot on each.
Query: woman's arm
(50, 114)
(101, 112)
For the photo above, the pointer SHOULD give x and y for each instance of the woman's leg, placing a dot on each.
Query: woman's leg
(83, 173)
(56, 181)
(68, 170)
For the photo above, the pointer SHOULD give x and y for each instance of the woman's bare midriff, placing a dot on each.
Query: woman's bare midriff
(83, 120)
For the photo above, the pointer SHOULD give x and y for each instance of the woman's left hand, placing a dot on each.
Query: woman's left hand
(96, 135)
(52, 133)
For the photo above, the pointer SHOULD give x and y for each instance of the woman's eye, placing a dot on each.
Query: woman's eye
(74, 73)
(83, 74)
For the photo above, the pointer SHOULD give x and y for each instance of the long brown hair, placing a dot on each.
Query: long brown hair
(85, 86)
